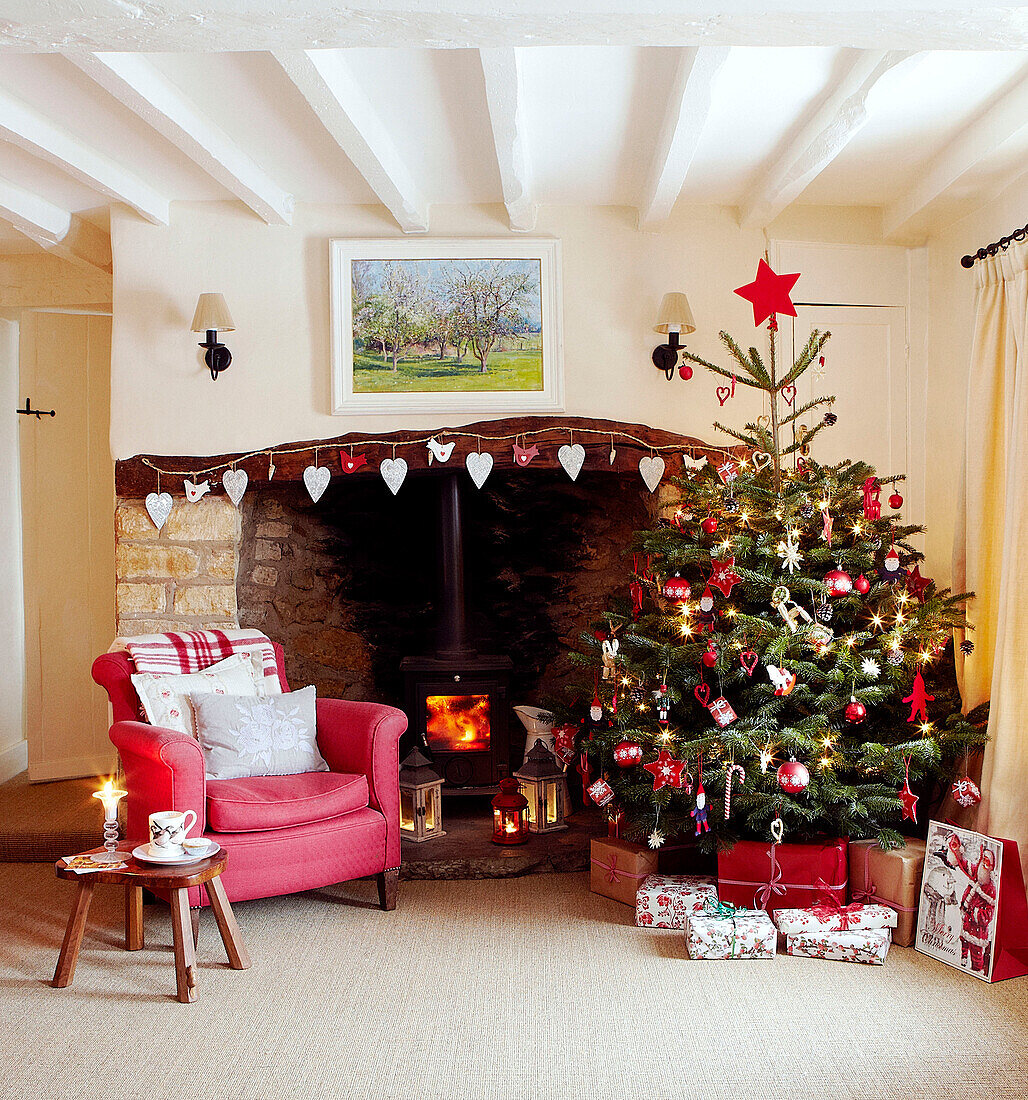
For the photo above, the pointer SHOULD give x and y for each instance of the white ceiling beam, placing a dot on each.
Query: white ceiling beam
(1003, 122)
(342, 106)
(504, 101)
(141, 87)
(840, 117)
(57, 230)
(685, 115)
(32, 131)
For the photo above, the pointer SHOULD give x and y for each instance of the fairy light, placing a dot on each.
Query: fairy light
(900, 620)
(625, 681)
(744, 517)
(666, 736)
(902, 597)
(730, 612)
(727, 544)
(766, 758)
(876, 621)
(857, 529)
(827, 742)
(926, 728)
(851, 641)
(686, 630)
(642, 707)
(825, 761)
(924, 658)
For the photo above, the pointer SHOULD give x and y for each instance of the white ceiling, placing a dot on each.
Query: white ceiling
(919, 132)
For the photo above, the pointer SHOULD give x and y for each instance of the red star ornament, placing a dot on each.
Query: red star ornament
(723, 575)
(916, 584)
(769, 293)
(666, 770)
(909, 800)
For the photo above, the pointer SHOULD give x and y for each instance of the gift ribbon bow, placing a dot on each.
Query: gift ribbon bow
(615, 873)
(828, 908)
(773, 884)
(870, 891)
(719, 910)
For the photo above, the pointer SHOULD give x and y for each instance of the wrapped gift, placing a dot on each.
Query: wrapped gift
(668, 901)
(835, 918)
(869, 945)
(890, 878)
(783, 876)
(723, 932)
(618, 867)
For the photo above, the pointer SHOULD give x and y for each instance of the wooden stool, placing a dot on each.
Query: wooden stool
(176, 880)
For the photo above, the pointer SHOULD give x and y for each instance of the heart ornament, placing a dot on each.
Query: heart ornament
(316, 478)
(652, 469)
(723, 394)
(572, 458)
(158, 507)
(195, 493)
(702, 693)
(761, 459)
(480, 465)
(235, 482)
(763, 423)
(789, 393)
(393, 471)
(748, 659)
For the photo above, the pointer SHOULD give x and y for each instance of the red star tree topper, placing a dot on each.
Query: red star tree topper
(769, 293)
(666, 770)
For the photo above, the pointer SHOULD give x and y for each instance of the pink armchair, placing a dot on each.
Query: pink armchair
(284, 833)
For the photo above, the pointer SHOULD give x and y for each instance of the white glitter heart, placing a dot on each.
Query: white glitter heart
(572, 458)
(652, 470)
(393, 471)
(480, 465)
(235, 482)
(159, 506)
(316, 479)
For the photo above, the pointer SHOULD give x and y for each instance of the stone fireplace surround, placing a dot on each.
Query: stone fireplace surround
(346, 585)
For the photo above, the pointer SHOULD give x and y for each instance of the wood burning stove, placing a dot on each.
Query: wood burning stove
(456, 698)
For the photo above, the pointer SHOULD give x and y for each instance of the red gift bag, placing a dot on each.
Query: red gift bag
(758, 875)
(973, 913)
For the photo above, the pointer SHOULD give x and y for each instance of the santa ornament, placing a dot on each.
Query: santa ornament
(706, 616)
(699, 812)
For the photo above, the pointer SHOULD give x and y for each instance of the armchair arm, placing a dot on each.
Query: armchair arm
(164, 770)
(364, 738)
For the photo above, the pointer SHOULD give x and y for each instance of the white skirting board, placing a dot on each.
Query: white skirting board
(13, 760)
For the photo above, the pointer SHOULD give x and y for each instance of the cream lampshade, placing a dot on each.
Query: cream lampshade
(212, 313)
(674, 315)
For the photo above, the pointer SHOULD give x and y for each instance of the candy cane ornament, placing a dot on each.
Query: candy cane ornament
(733, 769)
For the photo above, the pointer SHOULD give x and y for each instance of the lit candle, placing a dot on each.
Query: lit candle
(110, 797)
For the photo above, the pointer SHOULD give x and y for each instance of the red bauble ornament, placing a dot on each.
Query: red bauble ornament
(627, 754)
(895, 501)
(793, 777)
(838, 582)
(709, 657)
(685, 371)
(965, 792)
(675, 588)
(709, 525)
(862, 585)
(855, 712)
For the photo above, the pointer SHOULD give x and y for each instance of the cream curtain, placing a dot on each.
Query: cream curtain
(990, 553)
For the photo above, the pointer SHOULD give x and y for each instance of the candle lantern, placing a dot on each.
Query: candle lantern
(545, 788)
(421, 798)
(110, 797)
(509, 809)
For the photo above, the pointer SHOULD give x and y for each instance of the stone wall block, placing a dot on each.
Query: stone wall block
(156, 560)
(264, 575)
(267, 551)
(221, 563)
(274, 530)
(212, 519)
(141, 599)
(207, 600)
(132, 521)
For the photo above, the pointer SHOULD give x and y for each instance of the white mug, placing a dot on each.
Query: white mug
(168, 829)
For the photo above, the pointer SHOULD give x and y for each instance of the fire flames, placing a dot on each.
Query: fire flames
(458, 723)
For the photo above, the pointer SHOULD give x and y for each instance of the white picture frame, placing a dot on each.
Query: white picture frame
(544, 388)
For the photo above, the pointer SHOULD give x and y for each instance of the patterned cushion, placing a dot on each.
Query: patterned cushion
(165, 699)
(244, 735)
(278, 801)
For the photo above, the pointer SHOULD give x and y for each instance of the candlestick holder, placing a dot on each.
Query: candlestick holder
(110, 797)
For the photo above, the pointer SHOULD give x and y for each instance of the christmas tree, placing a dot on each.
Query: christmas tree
(781, 665)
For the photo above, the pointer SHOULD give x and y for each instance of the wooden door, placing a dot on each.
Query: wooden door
(68, 540)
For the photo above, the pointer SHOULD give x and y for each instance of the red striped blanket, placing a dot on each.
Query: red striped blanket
(195, 650)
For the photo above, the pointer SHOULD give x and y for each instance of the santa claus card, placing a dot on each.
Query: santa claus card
(972, 912)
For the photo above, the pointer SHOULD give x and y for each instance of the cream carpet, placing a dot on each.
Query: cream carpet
(521, 989)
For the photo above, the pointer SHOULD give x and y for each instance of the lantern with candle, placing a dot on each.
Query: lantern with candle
(421, 802)
(542, 778)
(510, 808)
(110, 796)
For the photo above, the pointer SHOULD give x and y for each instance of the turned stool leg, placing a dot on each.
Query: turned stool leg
(185, 948)
(238, 958)
(73, 934)
(133, 918)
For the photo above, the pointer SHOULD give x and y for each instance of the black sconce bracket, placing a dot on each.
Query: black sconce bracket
(665, 356)
(217, 357)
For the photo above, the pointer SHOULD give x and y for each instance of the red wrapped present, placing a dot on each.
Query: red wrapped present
(783, 876)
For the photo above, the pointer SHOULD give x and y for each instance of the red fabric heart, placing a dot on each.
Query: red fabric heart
(723, 394)
(748, 659)
(702, 693)
(789, 393)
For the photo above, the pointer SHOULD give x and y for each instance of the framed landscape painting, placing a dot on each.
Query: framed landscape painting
(446, 326)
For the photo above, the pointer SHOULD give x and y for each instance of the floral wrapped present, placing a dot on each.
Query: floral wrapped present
(890, 878)
(835, 918)
(618, 867)
(724, 932)
(668, 901)
(783, 876)
(869, 945)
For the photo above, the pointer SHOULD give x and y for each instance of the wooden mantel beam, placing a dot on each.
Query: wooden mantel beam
(134, 478)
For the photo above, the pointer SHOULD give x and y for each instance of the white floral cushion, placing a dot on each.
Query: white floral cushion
(243, 736)
(165, 699)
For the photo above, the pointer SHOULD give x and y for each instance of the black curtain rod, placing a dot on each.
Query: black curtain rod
(992, 249)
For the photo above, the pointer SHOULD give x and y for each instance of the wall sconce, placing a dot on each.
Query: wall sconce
(674, 318)
(211, 316)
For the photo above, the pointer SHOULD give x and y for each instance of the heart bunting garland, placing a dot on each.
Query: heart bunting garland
(572, 458)
(316, 478)
(393, 471)
(652, 469)
(158, 507)
(235, 482)
(480, 465)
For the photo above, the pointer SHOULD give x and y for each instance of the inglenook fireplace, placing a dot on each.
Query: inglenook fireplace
(456, 699)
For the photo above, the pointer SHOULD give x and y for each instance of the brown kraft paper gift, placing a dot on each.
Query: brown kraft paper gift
(617, 868)
(889, 878)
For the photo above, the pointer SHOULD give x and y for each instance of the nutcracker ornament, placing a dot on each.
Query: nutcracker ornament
(662, 701)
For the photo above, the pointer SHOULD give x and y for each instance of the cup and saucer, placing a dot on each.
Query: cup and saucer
(169, 843)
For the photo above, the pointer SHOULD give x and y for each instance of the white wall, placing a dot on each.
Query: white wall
(950, 327)
(276, 282)
(13, 747)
